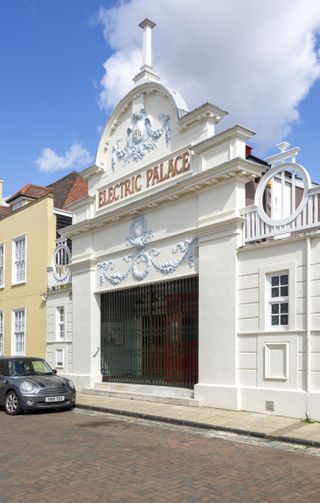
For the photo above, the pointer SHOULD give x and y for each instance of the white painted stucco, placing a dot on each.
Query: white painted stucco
(243, 362)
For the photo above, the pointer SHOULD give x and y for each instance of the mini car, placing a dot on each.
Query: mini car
(28, 383)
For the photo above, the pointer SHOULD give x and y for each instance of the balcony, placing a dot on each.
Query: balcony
(286, 203)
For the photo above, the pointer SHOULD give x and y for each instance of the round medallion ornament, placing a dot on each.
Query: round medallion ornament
(60, 263)
(138, 227)
(286, 186)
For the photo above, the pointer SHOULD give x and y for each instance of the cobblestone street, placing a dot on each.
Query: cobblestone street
(85, 457)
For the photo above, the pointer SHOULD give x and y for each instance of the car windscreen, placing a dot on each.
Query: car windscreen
(28, 367)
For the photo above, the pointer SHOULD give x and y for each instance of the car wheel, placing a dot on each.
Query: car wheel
(12, 405)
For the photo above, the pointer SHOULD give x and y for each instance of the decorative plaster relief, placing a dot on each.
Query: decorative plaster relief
(59, 272)
(141, 138)
(142, 260)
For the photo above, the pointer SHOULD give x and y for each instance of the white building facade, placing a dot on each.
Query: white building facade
(194, 264)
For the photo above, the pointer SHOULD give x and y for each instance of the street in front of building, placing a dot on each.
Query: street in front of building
(85, 456)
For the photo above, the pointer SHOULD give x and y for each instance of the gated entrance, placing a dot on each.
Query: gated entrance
(149, 334)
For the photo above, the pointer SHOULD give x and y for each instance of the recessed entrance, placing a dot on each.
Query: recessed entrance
(149, 334)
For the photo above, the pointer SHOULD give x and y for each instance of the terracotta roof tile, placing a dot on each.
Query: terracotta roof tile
(68, 189)
(65, 191)
(79, 191)
(30, 191)
(4, 211)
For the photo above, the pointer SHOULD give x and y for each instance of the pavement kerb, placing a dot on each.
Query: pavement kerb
(205, 426)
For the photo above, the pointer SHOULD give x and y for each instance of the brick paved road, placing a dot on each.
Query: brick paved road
(73, 457)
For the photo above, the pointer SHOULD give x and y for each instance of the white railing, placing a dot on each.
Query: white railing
(256, 229)
(59, 271)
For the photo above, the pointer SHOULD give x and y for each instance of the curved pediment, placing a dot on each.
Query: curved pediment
(142, 128)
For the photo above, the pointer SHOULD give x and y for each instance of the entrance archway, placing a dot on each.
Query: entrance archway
(149, 334)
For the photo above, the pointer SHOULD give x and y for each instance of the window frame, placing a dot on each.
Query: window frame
(2, 246)
(279, 300)
(14, 333)
(60, 323)
(264, 317)
(14, 262)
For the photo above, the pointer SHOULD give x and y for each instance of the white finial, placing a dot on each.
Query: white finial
(146, 72)
(147, 26)
(283, 146)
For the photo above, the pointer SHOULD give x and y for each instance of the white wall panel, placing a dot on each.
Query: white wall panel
(248, 280)
(248, 296)
(248, 325)
(247, 361)
(315, 342)
(315, 380)
(315, 362)
(247, 344)
(247, 377)
(248, 310)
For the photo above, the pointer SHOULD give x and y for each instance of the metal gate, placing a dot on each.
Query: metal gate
(149, 334)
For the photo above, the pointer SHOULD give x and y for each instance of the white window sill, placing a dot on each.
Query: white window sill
(278, 328)
(19, 283)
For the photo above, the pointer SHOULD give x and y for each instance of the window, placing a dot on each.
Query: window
(1, 333)
(1, 266)
(60, 323)
(17, 205)
(60, 358)
(19, 260)
(279, 299)
(18, 331)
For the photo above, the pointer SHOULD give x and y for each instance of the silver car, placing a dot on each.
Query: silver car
(30, 383)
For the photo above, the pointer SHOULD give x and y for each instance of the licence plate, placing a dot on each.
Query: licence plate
(54, 399)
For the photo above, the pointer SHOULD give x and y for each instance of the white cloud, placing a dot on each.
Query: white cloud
(76, 157)
(256, 59)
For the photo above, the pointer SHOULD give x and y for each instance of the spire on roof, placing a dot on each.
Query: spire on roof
(146, 70)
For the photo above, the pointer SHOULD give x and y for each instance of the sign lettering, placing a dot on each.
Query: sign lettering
(146, 179)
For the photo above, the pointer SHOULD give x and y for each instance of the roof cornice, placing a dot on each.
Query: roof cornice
(205, 111)
(235, 132)
(189, 184)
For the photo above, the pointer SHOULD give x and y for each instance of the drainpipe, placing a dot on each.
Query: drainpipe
(308, 329)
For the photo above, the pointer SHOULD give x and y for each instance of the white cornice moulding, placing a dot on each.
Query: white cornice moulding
(204, 112)
(236, 132)
(87, 264)
(219, 228)
(86, 201)
(235, 168)
(91, 171)
(64, 213)
(281, 156)
(302, 236)
(148, 87)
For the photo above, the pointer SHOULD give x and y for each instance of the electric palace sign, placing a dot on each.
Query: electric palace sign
(144, 180)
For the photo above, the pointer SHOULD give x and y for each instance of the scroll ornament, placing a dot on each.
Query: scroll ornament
(142, 260)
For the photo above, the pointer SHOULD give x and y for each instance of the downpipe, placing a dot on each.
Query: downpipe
(308, 329)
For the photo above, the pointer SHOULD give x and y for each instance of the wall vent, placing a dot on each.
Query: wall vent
(269, 405)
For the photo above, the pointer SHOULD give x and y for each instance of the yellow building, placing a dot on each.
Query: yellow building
(29, 227)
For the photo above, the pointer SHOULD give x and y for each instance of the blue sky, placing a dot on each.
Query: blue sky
(52, 54)
(51, 58)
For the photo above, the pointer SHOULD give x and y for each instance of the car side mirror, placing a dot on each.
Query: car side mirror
(54, 371)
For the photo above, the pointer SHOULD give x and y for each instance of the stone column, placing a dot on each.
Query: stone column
(220, 234)
(86, 324)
